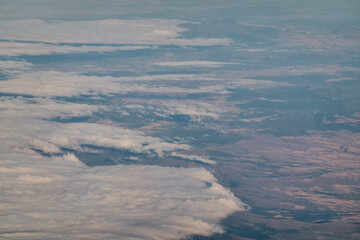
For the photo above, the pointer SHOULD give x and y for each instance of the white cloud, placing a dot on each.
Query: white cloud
(196, 110)
(338, 79)
(317, 40)
(270, 100)
(172, 77)
(53, 84)
(12, 67)
(193, 64)
(296, 71)
(60, 198)
(108, 31)
(256, 50)
(50, 137)
(11, 48)
(258, 84)
(43, 108)
(258, 119)
(23, 128)
(195, 158)
(73, 135)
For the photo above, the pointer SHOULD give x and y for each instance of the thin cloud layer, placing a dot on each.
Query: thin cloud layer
(44, 108)
(196, 110)
(14, 65)
(195, 158)
(193, 64)
(61, 84)
(108, 31)
(12, 49)
(297, 71)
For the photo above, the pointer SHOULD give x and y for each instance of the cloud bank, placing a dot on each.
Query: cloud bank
(46, 192)
(59, 198)
(55, 196)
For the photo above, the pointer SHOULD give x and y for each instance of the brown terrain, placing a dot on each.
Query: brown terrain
(304, 187)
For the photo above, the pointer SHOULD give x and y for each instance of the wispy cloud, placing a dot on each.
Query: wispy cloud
(338, 79)
(54, 83)
(307, 39)
(44, 108)
(11, 66)
(193, 64)
(258, 119)
(195, 158)
(196, 110)
(109, 31)
(296, 71)
(11, 48)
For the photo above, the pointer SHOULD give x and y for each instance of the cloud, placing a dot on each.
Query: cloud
(60, 198)
(44, 108)
(172, 77)
(338, 79)
(61, 84)
(108, 31)
(256, 50)
(353, 120)
(50, 137)
(270, 100)
(307, 39)
(254, 84)
(258, 119)
(193, 64)
(14, 65)
(53, 195)
(195, 158)
(73, 135)
(23, 128)
(10, 48)
(295, 71)
(56, 84)
(196, 110)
